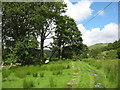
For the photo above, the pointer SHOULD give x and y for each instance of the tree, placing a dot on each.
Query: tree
(24, 52)
(47, 15)
(28, 20)
(66, 34)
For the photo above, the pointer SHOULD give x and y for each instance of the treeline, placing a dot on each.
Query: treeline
(111, 51)
(23, 23)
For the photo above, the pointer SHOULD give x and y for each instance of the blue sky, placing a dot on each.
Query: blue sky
(110, 15)
(103, 28)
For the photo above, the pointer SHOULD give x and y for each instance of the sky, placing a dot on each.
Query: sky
(103, 28)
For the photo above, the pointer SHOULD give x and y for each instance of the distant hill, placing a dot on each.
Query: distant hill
(99, 45)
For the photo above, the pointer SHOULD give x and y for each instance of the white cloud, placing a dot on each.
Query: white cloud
(107, 34)
(79, 11)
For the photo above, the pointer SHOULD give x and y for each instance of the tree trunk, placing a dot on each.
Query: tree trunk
(42, 47)
(59, 53)
(59, 49)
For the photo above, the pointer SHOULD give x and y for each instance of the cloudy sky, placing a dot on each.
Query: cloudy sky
(103, 28)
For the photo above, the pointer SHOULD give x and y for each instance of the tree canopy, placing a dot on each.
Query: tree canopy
(26, 22)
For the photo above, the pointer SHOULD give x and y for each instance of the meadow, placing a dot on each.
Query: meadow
(88, 73)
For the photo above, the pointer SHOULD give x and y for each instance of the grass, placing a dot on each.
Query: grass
(27, 83)
(0, 79)
(41, 75)
(57, 74)
(109, 69)
(99, 45)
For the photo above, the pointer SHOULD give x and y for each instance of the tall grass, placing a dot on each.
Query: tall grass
(5, 73)
(52, 82)
(109, 67)
(27, 83)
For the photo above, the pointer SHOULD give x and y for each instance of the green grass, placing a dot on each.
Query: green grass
(41, 75)
(59, 73)
(109, 68)
(0, 79)
(99, 45)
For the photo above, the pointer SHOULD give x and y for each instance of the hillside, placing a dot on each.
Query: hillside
(99, 45)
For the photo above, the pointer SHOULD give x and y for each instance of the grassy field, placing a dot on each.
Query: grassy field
(62, 74)
(98, 46)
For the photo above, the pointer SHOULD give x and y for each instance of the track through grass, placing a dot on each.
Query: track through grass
(59, 74)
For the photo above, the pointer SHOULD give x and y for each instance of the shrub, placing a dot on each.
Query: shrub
(27, 83)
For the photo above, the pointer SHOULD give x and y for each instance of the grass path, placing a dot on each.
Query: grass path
(86, 76)
(73, 80)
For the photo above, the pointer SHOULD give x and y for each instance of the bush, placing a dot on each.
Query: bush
(27, 83)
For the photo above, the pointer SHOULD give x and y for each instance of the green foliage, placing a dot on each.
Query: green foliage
(101, 51)
(118, 52)
(111, 54)
(24, 52)
(75, 51)
(27, 83)
(66, 33)
(23, 25)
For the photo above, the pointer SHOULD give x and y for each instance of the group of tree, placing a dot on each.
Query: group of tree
(24, 22)
(111, 51)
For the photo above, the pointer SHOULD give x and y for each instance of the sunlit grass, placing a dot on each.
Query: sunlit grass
(57, 74)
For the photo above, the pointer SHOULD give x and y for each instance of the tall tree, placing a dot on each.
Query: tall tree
(66, 34)
(30, 19)
(47, 14)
